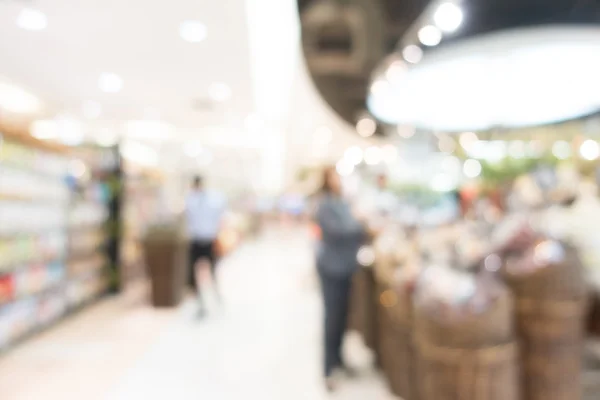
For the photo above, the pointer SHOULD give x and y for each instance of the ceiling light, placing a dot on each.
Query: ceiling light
(412, 53)
(32, 20)
(110, 82)
(193, 31)
(448, 17)
(219, 92)
(561, 150)
(44, 129)
(91, 109)
(70, 131)
(354, 155)
(516, 149)
(395, 71)
(344, 168)
(373, 155)
(467, 140)
(589, 150)
(472, 168)
(446, 144)
(406, 132)
(430, 35)
(366, 127)
(379, 86)
(17, 100)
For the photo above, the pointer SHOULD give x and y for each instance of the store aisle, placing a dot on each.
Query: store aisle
(263, 343)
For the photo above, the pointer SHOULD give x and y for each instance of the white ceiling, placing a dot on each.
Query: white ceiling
(162, 74)
(138, 40)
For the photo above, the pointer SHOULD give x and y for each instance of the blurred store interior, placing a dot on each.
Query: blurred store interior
(138, 137)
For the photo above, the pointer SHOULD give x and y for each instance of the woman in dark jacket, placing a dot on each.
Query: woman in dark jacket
(341, 236)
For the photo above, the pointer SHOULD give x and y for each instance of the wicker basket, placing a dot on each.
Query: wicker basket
(471, 358)
(363, 307)
(401, 362)
(551, 335)
(551, 307)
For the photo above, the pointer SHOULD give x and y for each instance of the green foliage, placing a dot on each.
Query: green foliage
(419, 194)
(494, 174)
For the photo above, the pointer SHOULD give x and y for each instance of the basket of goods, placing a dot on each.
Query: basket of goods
(399, 306)
(388, 248)
(393, 273)
(464, 337)
(551, 304)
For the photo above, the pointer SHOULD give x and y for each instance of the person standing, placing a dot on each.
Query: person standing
(341, 236)
(204, 212)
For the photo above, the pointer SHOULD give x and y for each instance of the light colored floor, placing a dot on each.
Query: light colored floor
(264, 343)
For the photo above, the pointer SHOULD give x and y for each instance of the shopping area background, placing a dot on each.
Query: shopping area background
(466, 138)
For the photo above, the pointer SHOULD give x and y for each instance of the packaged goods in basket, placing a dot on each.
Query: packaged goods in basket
(464, 337)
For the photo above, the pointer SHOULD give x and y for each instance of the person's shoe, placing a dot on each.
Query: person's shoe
(330, 384)
(350, 372)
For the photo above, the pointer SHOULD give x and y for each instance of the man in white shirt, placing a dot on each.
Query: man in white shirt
(204, 212)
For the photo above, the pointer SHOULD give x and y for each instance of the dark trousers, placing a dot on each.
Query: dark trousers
(201, 250)
(336, 296)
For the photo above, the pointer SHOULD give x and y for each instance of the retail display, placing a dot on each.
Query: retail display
(52, 235)
(34, 199)
(502, 292)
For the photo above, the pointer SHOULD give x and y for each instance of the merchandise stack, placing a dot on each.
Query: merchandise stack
(491, 307)
(88, 263)
(34, 237)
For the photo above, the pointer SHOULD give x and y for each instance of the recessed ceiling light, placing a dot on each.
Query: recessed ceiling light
(448, 17)
(430, 35)
(590, 150)
(354, 155)
(91, 109)
(17, 100)
(412, 53)
(32, 20)
(220, 92)
(193, 31)
(110, 82)
(366, 127)
(472, 168)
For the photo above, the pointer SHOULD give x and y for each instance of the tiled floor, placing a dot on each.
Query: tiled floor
(263, 343)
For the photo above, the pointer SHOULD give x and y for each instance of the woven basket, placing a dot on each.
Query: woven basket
(551, 335)
(551, 308)
(401, 363)
(363, 307)
(474, 357)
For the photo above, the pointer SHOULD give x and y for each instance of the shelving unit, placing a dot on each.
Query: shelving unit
(34, 200)
(53, 235)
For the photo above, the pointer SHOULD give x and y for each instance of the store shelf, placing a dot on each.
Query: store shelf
(52, 239)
